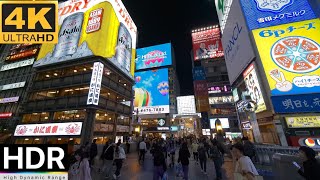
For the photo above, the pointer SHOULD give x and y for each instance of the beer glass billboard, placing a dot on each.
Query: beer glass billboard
(93, 28)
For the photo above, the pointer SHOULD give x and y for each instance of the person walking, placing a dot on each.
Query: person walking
(216, 156)
(244, 168)
(119, 156)
(172, 152)
(195, 147)
(311, 167)
(93, 151)
(142, 150)
(184, 156)
(249, 149)
(202, 158)
(159, 162)
(108, 156)
(80, 170)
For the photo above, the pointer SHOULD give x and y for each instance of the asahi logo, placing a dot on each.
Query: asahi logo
(273, 5)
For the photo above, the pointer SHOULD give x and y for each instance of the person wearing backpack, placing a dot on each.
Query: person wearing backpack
(107, 157)
(202, 158)
(216, 156)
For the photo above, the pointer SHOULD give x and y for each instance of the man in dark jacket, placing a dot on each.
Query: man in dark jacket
(159, 162)
(93, 152)
(311, 166)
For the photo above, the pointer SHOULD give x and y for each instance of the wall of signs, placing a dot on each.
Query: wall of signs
(95, 84)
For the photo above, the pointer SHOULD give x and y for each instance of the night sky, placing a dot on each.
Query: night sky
(162, 21)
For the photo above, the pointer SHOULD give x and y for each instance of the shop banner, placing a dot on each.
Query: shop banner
(303, 122)
(121, 128)
(23, 54)
(199, 73)
(5, 115)
(9, 100)
(154, 56)
(103, 127)
(95, 84)
(221, 100)
(207, 43)
(238, 50)
(50, 129)
(93, 28)
(290, 55)
(246, 125)
(264, 13)
(27, 62)
(12, 86)
(253, 87)
(223, 9)
(296, 103)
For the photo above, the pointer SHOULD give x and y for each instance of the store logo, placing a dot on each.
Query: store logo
(161, 122)
(33, 158)
(273, 5)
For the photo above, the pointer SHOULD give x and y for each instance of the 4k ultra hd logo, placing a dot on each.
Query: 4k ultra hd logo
(27, 161)
(28, 22)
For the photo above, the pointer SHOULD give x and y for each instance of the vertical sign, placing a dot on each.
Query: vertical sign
(95, 84)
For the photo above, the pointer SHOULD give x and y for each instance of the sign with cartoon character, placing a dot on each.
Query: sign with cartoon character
(290, 55)
(265, 13)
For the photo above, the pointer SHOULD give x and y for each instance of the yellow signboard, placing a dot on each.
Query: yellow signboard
(290, 54)
(303, 122)
(93, 28)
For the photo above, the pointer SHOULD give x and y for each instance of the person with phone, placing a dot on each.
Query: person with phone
(311, 167)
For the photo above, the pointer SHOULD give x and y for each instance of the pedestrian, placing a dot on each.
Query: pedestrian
(142, 150)
(195, 151)
(80, 170)
(159, 162)
(128, 146)
(119, 157)
(311, 167)
(202, 158)
(93, 151)
(216, 156)
(184, 156)
(249, 149)
(244, 167)
(108, 156)
(172, 152)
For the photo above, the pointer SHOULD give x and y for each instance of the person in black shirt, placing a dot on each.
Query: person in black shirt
(311, 166)
(184, 156)
(159, 162)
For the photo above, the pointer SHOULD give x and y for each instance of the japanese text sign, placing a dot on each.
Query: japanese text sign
(51, 129)
(290, 55)
(303, 122)
(95, 84)
(263, 13)
(297, 103)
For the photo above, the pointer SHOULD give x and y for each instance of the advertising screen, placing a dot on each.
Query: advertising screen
(224, 123)
(253, 87)
(186, 105)
(303, 122)
(263, 13)
(207, 43)
(290, 57)
(152, 92)
(96, 27)
(238, 50)
(154, 56)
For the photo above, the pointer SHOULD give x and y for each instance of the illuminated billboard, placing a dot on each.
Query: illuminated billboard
(224, 123)
(303, 122)
(186, 105)
(263, 13)
(221, 100)
(154, 56)
(253, 87)
(290, 57)
(207, 43)
(223, 9)
(152, 92)
(97, 27)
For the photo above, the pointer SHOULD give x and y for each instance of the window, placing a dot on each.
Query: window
(70, 115)
(35, 117)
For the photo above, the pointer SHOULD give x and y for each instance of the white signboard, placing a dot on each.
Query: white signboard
(163, 128)
(95, 84)
(152, 110)
(27, 62)
(50, 129)
(223, 8)
(224, 123)
(186, 105)
(12, 86)
(238, 51)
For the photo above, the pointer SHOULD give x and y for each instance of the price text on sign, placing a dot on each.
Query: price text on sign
(28, 22)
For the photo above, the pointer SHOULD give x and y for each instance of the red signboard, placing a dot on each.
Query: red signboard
(207, 43)
(5, 115)
(23, 54)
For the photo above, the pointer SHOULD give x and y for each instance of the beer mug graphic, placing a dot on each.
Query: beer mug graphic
(69, 35)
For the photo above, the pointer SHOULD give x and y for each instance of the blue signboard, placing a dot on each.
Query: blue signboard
(296, 103)
(199, 73)
(154, 56)
(265, 13)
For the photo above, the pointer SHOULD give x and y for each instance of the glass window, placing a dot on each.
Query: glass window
(70, 115)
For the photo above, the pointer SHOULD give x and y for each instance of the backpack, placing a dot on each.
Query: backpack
(214, 152)
(108, 153)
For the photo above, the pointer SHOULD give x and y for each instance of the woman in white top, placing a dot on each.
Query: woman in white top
(244, 165)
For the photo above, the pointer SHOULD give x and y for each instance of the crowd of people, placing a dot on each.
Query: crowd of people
(202, 150)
